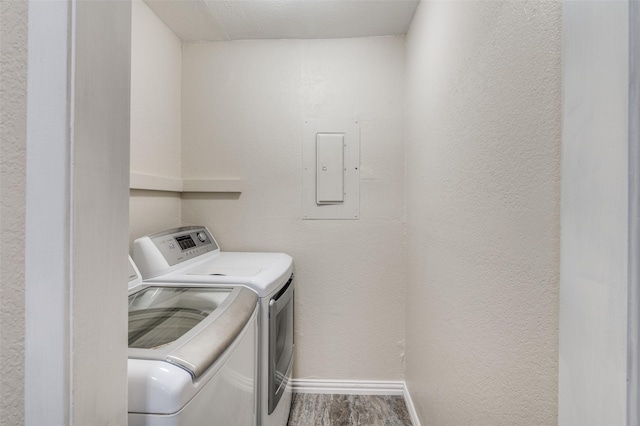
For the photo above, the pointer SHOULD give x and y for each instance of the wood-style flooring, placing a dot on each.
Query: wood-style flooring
(348, 410)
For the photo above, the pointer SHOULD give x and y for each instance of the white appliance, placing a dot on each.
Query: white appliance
(192, 354)
(191, 255)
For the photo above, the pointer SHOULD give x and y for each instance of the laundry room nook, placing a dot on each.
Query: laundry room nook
(229, 116)
(350, 212)
(232, 113)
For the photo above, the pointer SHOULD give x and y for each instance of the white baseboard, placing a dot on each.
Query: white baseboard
(347, 387)
(357, 387)
(415, 421)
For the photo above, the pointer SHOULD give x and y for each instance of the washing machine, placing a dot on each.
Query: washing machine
(192, 255)
(192, 354)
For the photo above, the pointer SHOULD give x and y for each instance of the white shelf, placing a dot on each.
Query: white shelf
(160, 183)
(212, 185)
(154, 183)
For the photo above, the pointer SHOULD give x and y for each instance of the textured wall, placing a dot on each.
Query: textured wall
(482, 156)
(155, 119)
(243, 109)
(593, 296)
(13, 115)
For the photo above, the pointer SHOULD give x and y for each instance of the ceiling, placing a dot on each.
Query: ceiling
(211, 20)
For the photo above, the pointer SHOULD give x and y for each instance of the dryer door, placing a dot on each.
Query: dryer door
(280, 343)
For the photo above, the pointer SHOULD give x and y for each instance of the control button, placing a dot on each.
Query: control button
(202, 236)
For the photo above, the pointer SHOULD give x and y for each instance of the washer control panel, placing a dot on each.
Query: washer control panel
(181, 244)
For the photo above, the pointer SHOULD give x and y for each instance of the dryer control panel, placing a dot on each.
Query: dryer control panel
(156, 253)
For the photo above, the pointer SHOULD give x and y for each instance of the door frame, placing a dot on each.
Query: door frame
(633, 319)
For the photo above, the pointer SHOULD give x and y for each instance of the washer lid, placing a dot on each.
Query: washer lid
(189, 327)
(158, 316)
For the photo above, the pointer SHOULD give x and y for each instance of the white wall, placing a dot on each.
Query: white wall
(13, 117)
(100, 201)
(593, 296)
(155, 94)
(483, 198)
(243, 108)
(155, 119)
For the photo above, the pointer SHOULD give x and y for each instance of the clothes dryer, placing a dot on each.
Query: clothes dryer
(192, 255)
(192, 354)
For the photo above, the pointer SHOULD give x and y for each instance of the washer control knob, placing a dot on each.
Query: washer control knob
(202, 236)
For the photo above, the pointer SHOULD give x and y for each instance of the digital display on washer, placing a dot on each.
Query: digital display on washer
(185, 242)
